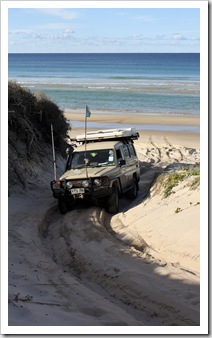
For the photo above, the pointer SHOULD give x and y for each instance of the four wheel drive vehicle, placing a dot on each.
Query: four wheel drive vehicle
(100, 170)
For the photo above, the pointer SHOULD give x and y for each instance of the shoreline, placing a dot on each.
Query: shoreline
(174, 120)
(160, 136)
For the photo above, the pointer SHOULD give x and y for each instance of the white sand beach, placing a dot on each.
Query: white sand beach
(172, 119)
(90, 272)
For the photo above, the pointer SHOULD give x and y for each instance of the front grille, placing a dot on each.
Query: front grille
(77, 183)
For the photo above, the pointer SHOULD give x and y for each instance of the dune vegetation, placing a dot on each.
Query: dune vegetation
(29, 132)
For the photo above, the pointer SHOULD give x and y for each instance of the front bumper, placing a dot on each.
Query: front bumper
(60, 190)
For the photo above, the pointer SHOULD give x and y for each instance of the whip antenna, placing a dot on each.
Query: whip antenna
(53, 153)
(87, 114)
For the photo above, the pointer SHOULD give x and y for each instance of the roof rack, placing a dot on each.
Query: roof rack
(108, 134)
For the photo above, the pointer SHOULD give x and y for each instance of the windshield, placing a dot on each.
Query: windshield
(92, 158)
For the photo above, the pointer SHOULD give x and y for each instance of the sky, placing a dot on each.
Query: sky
(109, 30)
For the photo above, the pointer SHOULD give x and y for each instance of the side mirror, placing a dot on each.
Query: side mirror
(122, 162)
(68, 150)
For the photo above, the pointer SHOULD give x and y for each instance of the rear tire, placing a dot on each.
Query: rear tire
(113, 201)
(133, 192)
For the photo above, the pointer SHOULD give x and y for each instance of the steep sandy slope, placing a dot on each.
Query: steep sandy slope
(139, 267)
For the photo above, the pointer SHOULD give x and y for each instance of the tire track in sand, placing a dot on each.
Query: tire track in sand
(102, 262)
(174, 148)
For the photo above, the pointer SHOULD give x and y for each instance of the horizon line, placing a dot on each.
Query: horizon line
(103, 52)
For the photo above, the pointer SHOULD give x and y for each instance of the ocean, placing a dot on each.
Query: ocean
(135, 83)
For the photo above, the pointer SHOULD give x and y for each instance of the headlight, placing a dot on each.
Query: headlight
(97, 182)
(69, 184)
(85, 184)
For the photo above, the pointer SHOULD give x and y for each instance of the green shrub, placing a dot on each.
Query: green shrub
(178, 210)
(170, 180)
(52, 114)
(30, 117)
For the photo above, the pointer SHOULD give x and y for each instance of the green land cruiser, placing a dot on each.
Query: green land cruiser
(101, 169)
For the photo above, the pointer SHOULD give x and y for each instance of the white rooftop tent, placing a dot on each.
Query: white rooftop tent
(108, 134)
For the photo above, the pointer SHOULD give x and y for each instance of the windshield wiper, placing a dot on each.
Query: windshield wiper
(79, 166)
(105, 164)
(93, 164)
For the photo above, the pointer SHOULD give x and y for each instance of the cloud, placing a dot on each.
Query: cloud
(56, 40)
(51, 26)
(178, 37)
(137, 37)
(101, 41)
(19, 32)
(65, 14)
(67, 34)
(144, 18)
(161, 37)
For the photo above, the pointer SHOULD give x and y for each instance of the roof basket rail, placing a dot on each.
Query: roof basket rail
(108, 134)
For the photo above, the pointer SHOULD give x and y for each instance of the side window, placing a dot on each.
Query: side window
(126, 151)
(132, 150)
(118, 155)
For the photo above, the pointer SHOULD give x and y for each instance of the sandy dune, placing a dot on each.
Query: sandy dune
(88, 269)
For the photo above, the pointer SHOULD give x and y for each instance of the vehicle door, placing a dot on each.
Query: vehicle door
(121, 166)
(132, 165)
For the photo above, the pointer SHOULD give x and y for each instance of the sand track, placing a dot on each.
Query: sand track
(89, 268)
(101, 260)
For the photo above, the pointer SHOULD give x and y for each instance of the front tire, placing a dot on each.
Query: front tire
(113, 201)
(70, 204)
(62, 206)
